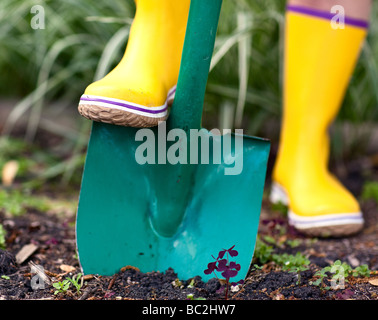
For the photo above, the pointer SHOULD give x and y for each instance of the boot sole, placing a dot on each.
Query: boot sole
(123, 113)
(328, 225)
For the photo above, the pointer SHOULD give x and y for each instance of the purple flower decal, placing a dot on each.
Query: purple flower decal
(228, 269)
(231, 252)
(211, 267)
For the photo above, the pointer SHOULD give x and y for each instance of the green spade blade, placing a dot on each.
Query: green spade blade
(159, 215)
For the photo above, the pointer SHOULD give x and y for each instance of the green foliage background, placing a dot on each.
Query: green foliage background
(83, 40)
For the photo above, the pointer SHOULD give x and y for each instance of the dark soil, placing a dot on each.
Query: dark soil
(53, 234)
(55, 240)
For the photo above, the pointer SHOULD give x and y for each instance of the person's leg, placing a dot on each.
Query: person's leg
(319, 61)
(137, 92)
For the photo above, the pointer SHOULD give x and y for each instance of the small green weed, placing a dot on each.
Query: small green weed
(16, 202)
(75, 282)
(322, 275)
(293, 243)
(191, 284)
(190, 296)
(280, 207)
(61, 286)
(289, 261)
(2, 237)
(263, 252)
(370, 191)
(292, 263)
(177, 283)
(340, 272)
(362, 271)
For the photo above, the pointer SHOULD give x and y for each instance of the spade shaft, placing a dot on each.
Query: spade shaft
(167, 214)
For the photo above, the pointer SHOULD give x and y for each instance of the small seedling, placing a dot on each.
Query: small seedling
(5, 277)
(61, 286)
(177, 284)
(190, 296)
(191, 284)
(228, 269)
(263, 252)
(340, 272)
(293, 243)
(370, 191)
(291, 263)
(16, 202)
(322, 274)
(75, 281)
(280, 207)
(361, 271)
(2, 237)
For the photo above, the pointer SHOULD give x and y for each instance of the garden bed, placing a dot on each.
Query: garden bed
(54, 248)
(40, 224)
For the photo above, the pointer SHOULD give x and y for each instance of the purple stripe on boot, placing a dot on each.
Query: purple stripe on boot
(327, 15)
(124, 105)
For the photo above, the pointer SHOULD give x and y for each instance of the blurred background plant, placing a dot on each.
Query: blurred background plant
(44, 72)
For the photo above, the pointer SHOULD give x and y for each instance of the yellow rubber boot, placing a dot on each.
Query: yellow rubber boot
(319, 61)
(139, 90)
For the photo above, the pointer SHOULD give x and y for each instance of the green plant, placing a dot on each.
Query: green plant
(289, 261)
(270, 240)
(280, 207)
(75, 281)
(45, 66)
(2, 237)
(362, 271)
(190, 296)
(322, 275)
(370, 191)
(5, 277)
(293, 243)
(177, 283)
(263, 252)
(16, 202)
(191, 284)
(292, 263)
(340, 272)
(61, 286)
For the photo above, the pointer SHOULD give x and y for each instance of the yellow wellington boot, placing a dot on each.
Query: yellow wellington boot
(139, 90)
(319, 61)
